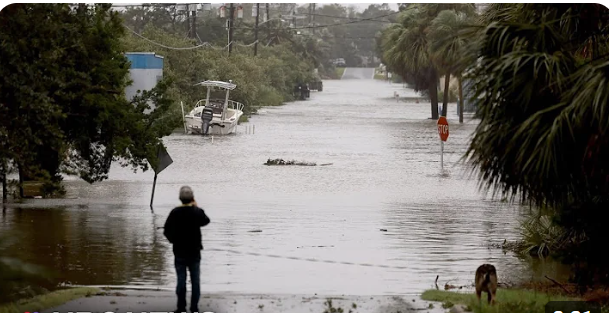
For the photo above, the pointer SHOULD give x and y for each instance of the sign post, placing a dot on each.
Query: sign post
(443, 132)
(163, 160)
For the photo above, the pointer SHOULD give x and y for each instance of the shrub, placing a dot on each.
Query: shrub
(267, 79)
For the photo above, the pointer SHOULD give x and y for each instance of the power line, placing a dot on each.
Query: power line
(344, 17)
(203, 45)
(330, 25)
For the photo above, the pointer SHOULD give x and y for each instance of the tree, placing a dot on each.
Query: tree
(449, 50)
(406, 46)
(542, 94)
(406, 52)
(62, 93)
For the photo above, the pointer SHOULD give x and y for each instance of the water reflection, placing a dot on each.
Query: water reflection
(89, 244)
(385, 175)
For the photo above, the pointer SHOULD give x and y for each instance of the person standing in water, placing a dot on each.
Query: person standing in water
(183, 230)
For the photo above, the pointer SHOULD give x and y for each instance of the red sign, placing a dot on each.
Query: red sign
(443, 128)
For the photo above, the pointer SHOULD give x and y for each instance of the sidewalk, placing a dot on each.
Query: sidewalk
(163, 301)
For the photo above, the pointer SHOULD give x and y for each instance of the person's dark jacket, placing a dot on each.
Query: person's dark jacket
(183, 230)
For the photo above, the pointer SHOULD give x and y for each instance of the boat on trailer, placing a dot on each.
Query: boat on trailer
(226, 112)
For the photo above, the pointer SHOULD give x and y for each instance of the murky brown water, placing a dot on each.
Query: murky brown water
(385, 175)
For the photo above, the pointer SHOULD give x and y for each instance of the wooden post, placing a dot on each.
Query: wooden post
(442, 155)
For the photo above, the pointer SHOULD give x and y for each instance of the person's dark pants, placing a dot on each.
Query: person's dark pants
(193, 266)
(205, 127)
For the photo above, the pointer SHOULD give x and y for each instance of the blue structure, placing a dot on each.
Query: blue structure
(146, 70)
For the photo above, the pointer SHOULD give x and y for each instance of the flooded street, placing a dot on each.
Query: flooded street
(385, 175)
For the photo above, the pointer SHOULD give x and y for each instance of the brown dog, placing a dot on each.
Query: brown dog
(486, 280)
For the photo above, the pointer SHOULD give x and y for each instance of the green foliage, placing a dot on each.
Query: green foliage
(265, 80)
(268, 96)
(508, 300)
(542, 236)
(339, 71)
(452, 95)
(18, 277)
(62, 93)
(424, 43)
(49, 300)
(543, 79)
(351, 41)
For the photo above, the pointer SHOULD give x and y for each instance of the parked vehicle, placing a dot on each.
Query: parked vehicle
(302, 91)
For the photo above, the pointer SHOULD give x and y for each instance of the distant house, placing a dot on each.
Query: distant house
(146, 70)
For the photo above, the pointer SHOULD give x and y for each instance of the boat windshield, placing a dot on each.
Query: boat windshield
(217, 93)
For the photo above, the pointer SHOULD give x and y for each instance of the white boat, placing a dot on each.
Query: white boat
(226, 112)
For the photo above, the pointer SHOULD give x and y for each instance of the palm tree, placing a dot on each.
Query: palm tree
(406, 47)
(543, 100)
(449, 45)
(405, 50)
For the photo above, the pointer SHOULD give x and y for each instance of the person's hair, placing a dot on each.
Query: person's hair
(186, 195)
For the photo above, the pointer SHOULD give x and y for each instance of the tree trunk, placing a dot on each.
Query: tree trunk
(20, 181)
(433, 97)
(446, 92)
(460, 82)
(4, 187)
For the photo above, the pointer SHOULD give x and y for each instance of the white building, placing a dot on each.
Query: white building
(146, 70)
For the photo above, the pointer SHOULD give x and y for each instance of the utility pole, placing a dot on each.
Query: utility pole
(231, 16)
(313, 16)
(188, 20)
(256, 29)
(193, 27)
(268, 24)
(310, 12)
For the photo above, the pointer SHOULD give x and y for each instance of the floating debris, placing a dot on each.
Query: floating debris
(291, 162)
(255, 231)
(383, 229)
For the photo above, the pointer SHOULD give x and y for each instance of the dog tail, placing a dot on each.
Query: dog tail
(487, 277)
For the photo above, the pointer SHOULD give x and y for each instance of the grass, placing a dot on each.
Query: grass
(339, 72)
(380, 76)
(243, 119)
(48, 300)
(508, 300)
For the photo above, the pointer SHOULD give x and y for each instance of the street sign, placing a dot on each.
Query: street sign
(443, 128)
(163, 160)
(443, 132)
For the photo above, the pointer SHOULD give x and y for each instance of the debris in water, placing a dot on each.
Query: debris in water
(255, 231)
(292, 162)
(382, 229)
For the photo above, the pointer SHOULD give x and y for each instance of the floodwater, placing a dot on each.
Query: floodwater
(385, 175)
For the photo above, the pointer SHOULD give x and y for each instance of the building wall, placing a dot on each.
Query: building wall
(146, 70)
